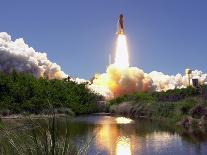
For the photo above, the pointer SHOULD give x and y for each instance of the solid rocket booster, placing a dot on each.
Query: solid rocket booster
(120, 25)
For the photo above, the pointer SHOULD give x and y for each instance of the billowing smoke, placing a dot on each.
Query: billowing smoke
(121, 79)
(117, 81)
(17, 55)
(164, 82)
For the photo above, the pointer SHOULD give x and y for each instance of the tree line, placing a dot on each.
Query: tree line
(22, 92)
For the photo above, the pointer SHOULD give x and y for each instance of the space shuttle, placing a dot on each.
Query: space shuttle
(120, 25)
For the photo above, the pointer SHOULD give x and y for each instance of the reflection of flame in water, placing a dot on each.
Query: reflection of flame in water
(106, 135)
(123, 120)
(110, 138)
(123, 146)
(118, 136)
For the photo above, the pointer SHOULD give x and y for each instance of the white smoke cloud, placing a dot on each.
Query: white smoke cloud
(117, 81)
(79, 81)
(164, 82)
(17, 55)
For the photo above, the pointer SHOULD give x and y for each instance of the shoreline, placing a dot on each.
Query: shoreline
(35, 116)
(136, 111)
(181, 124)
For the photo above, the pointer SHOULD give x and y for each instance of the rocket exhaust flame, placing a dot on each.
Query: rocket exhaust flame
(121, 55)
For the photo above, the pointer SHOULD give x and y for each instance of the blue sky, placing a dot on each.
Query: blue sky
(163, 35)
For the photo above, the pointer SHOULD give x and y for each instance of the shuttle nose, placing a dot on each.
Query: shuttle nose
(121, 16)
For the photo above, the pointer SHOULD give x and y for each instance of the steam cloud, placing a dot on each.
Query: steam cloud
(118, 81)
(17, 55)
(121, 79)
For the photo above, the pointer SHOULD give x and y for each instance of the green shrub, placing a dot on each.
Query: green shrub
(23, 92)
(185, 105)
(120, 99)
(145, 104)
(163, 109)
(143, 97)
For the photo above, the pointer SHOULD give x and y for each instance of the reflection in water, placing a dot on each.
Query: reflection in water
(118, 137)
(123, 120)
(123, 146)
(161, 141)
(122, 136)
(111, 137)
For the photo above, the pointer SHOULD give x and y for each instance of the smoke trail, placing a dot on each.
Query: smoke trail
(18, 56)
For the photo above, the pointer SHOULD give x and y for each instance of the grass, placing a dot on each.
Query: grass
(1, 123)
(36, 138)
(161, 110)
(172, 105)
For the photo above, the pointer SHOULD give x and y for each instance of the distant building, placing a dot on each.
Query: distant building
(195, 83)
(188, 74)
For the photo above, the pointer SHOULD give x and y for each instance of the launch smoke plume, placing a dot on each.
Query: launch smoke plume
(17, 55)
(116, 81)
(121, 79)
